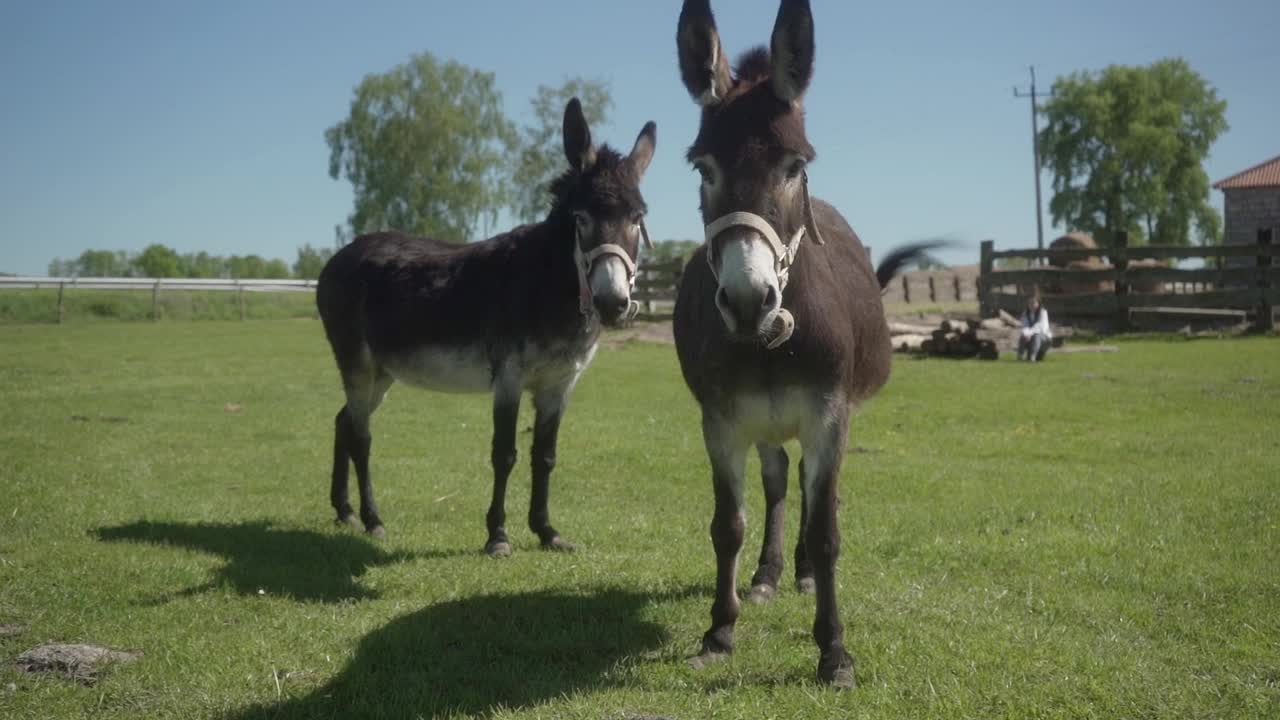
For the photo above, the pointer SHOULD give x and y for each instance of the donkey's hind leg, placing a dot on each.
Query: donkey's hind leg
(365, 391)
(341, 469)
(773, 470)
(506, 411)
(549, 406)
(804, 568)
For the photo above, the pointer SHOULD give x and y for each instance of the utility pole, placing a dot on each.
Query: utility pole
(1035, 149)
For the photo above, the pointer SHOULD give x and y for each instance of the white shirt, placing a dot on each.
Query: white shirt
(1041, 324)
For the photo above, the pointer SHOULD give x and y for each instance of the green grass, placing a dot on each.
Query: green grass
(79, 306)
(1093, 537)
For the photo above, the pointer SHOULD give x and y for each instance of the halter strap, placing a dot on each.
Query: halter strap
(784, 254)
(585, 260)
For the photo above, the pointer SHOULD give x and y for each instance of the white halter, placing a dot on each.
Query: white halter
(585, 260)
(784, 254)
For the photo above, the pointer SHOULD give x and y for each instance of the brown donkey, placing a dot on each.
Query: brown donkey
(520, 311)
(778, 323)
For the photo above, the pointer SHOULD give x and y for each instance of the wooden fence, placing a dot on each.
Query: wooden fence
(656, 286)
(1144, 288)
(949, 285)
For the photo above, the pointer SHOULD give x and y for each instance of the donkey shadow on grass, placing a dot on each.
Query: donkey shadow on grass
(479, 655)
(304, 565)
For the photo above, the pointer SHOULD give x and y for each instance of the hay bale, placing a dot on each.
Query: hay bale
(1148, 286)
(1073, 241)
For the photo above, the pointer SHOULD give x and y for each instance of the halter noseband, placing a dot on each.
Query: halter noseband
(784, 254)
(585, 260)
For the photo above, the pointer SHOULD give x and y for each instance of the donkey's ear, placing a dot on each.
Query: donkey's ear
(702, 63)
(577, 137)
(792, 50)
(642, 152)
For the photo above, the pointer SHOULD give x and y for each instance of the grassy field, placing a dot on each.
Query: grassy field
(80, 306)
(1093, 537)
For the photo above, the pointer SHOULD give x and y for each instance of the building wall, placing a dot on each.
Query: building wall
(1247, 210)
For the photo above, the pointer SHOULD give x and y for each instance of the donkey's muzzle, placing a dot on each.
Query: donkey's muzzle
(613, 310)
(748, 313)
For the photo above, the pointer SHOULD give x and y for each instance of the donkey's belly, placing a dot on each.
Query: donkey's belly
(443, 368)
(773, 417)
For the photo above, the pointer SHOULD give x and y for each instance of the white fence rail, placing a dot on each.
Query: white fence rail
(155, 285)
(94, 283)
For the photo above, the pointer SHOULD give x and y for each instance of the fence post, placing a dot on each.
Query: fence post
(906, 290)
(240, 298)
(955, 282)
(155, 300)
(985, 267)
(1266, 318)
(1120, 261)
(61, 313)
(933, 290)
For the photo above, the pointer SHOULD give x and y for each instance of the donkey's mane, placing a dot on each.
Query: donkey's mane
(753, 65)
(611, 178)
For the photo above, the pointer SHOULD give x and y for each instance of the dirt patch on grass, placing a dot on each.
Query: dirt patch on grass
(654, 332)
(82, 663)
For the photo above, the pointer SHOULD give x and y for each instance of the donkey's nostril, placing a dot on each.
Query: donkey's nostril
(770, 298)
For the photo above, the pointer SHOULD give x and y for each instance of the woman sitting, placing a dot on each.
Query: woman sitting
(1036, 335)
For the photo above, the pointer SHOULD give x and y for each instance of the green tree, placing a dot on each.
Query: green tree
(203, 265)
(246, 267)
(540, 157)
(62, 268)
(275, 269)
(94, 263)
(665, 250)
(157, 261)
(1126, 147)
(425, 147)
(310, 262)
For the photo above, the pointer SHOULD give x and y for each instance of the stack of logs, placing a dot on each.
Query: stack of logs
(983, 339)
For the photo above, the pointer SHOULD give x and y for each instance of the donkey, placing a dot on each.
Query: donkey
(519, 311)
(778, 322)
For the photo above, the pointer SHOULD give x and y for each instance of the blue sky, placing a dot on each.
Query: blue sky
(200, 124)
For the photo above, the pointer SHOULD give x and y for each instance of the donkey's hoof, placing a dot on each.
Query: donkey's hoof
(559, 544)
(761, 594)
(497, 549)
(347, 520)
(376, 531)
(806, 585)
(707, 657)
(836, 669)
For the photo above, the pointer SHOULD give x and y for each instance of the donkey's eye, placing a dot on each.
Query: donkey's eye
(583, 220)
(705, 172)
(795, 169)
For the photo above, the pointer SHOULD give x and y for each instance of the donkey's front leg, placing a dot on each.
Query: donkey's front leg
(728, 454)
(824, 449)
(773, 469)
(506, 409)
(549, 407)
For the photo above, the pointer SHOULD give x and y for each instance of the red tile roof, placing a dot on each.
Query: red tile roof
(1266, 174)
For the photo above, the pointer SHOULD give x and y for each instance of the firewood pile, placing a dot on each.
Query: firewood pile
(982, 339)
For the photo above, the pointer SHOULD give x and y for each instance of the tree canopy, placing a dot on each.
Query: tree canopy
(310, 261)
(540, 158)
(664, 250)
(1126, 147)
(160, 261)
(426, 148)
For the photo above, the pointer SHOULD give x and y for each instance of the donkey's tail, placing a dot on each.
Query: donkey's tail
(896, 260)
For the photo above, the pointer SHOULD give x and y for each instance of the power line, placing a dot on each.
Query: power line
(1035, 148)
